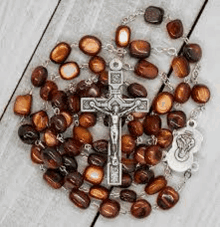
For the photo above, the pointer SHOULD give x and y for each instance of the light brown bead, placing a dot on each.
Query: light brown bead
(192, 52)
(176, 119)
(153, 155)
(141, 208)
(156, 185)
(127, 144)
(47, 90)
(140, 49)
(164, 138)
(139, 154)
(129, 165)
(23, 104)
(146, 70)
(152, 124)
(200, 93)
(109, 208)
(135, 128)
(69, 70)
(182, 93)
(82, 135)
(54, 178)
(143, 175)
(180, 66)
(36, 154)
(68, 117)
(87, 120)
(99, 192)
(40, 120)
(122, 36)
(79, 198)
(39, 76)
(60, 53)
(50, 137)
(94, 174)
(97, 64)
(175, 29)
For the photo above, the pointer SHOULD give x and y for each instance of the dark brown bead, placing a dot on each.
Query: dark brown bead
(58, 123)
(152, 124)
(82, 135)
(100, 146)
(122, 36)
(70, 163)
(47, 90)
(87, 120)
(141, 208)
(167, 198)
(182, 93)
(72, 147)
(73, 180)
(50, 137)
(109, 208)
(93, 91)
(68, 117)
(59, 100)
(154, 15)
(140, 49)
(28, 134)
(175, 29)
(200, 93)
(129, 165)
(164, 138)
(97, 159)
(126, 180)
(156, 185)
(139, 154)
(40, 120)
(138, 115)
(163, 103)
(146, 69)
(135, 128)
(54, 178)
(127, 144)
(39, 76)
(79, 198)
(22, 105)
(36, 154)
(60, 53)
(137, 90)
(69, 70)
(99, 192)
(73, 103)
(192, 52)
(90, 45)
(128, 195)
(143, 175)
(94, 174)
(103, 78)
(52, 159)
(176, 119)
(180, 67)
(97, 64)
(153, 155)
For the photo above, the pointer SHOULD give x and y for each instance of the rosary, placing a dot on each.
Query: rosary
(117, 161)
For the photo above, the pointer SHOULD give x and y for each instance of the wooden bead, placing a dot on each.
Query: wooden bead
(127, 144)
(175, 29)
(68, 117)
(167, 198)
(50, 137)
(70, 163)
(126, 180)
(137, 90)
(40, 120)
(47, 90)
(103, 78)
(97, 159)
(90, 45)
(200, 93)
(128, 195)
(176, 119)
(59, 100)
(141, 208)
(143, 175)
(72, 147)
(73, 103)
(23, 105)
(97, 64)
(182, 93)
(156, 185)
(28, 134)
(135, 128)
(36, 156)
(164, 138)
(128, 165)
(180, 66)
(154, 15)
(152, 124)
(58, 123)
(73, 180)
(109, 208)
(138, 115)
(153, 155)
(69, 70)
(99, 192)
(54, 178)
(39, 76)
(146, 69)
(79, 198)
(94, 174)
(100, 146)
(122, 36)
(87, 120)
(93, 91)
(140, 49)
(60, 53)
(139, 155)
(52, 159)
(192, 52)
(82, 135)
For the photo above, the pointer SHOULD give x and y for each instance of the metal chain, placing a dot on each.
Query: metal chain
(196, 112)
(195, 74)
(132, 17)
(121, 52)
(171, 51)
(166, 81)
(187, 176)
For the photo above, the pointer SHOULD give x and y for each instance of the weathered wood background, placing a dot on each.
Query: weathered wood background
(28, 31)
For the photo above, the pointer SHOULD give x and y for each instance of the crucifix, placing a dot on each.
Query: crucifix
(115, 107)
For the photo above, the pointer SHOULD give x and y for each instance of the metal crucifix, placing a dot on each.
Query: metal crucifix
(115, 107)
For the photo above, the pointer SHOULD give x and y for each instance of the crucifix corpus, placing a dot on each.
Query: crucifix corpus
(115, 107)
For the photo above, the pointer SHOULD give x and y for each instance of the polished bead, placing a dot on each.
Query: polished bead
(79, 198)
(50, 137)
(127, 144)
(152, 124)
(59, 100)
(141, 208)
(146, 69)
(94, 174)
(153, 155)
(73, 103)
(122, 36)
(140, 49)
(36, 156)
(192, 52)
(128, 165)
(135, 128)
(109, 208)
(93, 91)
(139, 154)
(167, 198)
(54, 178)
(182, 93)
(100, 146)
(156, 185)
(52, 159)
(60, 53)
(163, 103)
(154, 15)
(68, 117)
(99, 192)
(39, 76)
(128, 195)
(176, 119)
(70, 163)
(97, 64)
(58, 123)
(87, 120)
(200, 93)
(73, 180)
(47, 90)
(175, 29)
(180, 66)
(22, 105)
(90, 45)
(97, 159)
(28, 134)
(103, 78)
(143, 175)
(81, 88)
(72, 147)
(138, 115)
(40, 120)
(164, 138)
(126, 180)
(137, 90)
(82, 135)
(69, 70)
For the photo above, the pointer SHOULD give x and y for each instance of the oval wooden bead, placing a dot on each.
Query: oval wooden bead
(73, 103)
(128, 195)
(126, 180)
(146, 69)
(127, 144)
(154, 15)
(140, 49)
(94, 174)
(182, 93)
(69, 70)
(192, 52)
(97, 64)
(135, 128)
(180, 66)
(139, 154)
(122, 36)
(40, 120)
(153, 155)
(52, 159)
(200, 93)
(36, 156)
(137, 90)
(22, 105)
(39, 76)
(99, 192)
(138, 115)
(70, 163)
(103, 78)
(97, 159)
(156, 185)
(143, 175)
(141, 208)
(100, 146)
(60, 53)
(50, 137)
(164, 138)
(59, 100)
(79, 198)
(128, 165)
(58, 123)
(54, 178)
(47, 90)
(167, 198)
(152, 124)
(68, 117)
(72, 147)
(82, 135)
(176, 119)
(175, 29)
(109, 208)
(73, 180)
(28, 134)
(87, 120)
(90, 45)
(93, 91)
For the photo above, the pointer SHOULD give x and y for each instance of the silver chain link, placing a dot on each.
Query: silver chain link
(132, 17)
(195, 74)
(166, 81)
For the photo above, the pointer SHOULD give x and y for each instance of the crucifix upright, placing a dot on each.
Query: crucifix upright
(115, 107)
